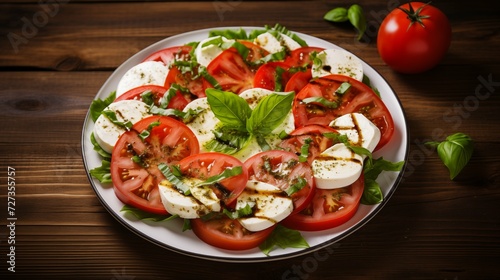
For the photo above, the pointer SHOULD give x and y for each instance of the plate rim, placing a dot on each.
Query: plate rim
(264, 258)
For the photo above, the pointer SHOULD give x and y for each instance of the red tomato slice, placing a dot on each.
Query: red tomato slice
(301, 57)
(297, 139)
(168, 55)
(205, 165)
(231, 71)
(359, 98)
(282, 169)
(177, 102)
(222, 232)
(328, 208)
(136, 183)
(255, 52)
(196, 86)
(267, 76)
(298, 81)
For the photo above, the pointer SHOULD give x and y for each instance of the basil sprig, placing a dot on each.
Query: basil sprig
(455, 152)
(354, 15)
(235, 114)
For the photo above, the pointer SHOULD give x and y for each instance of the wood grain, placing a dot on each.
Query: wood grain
(431, 228)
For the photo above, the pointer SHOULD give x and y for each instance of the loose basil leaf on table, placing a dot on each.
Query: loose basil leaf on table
(455, 152)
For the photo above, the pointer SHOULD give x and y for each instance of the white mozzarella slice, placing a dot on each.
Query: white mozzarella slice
(268, 42)
(201, 201)
(337, 61)
(269, 204)
(204, 122)
(289, 43)
(337, 167)
(145, 73)
(106, 133)
(360, 130)
(206, 53)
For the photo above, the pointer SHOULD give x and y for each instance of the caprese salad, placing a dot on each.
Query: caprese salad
(245, 136)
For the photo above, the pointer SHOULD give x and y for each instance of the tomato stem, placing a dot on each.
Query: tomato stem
(415, 16)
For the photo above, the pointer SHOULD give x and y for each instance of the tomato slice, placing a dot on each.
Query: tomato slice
(168, 55)
(328, 208)
(177, 102)
(255, 52)
(282, 169)
(134, 162)
(298, 138)
(231, 71)
(205, 165)
(298, 81)
(272, 76)
(301, 57)
(192, 81)
(359, 98)
(222, 232)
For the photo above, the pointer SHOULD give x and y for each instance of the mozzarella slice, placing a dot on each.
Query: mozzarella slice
(337, 167)
(145, 73)
(175, 203)
(337, 61)
(204, 122)
(273, 45)
(205, 54)
(106, 133)
(270, 205)
(360, 130)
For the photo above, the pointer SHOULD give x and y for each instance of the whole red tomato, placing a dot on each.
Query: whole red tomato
(414, 37)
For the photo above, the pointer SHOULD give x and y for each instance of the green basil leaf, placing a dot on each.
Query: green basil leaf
(227, 140)
(174, 176)
(112, 117)
(103, 172)
(299, 184)
(240, 212)
(357, 19)
(284, 238)
(372, 194)
(455, 152)
(202, 70)
(262, 142)
(336, 15)
(229, 34)
(227, 173)
(343, 88)
(321, 101)
(373, 169)
(145, 133)
(304, 150)
(143, 215)
(281, 29)
(98, 105)
(147, 97)
(269, 113)
(155, 110)
(231, 109)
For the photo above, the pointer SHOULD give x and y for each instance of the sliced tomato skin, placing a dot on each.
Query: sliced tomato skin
(168, 55)
(266, 76)
(177, 102)
(297, 138)
(196, 86)
(228, 234)
(255, 52)
(317, 216)
(279, 160)
(207, 164)
(231, 71)
(301, 57)
(136, 184)
(298, 81)
(358, 99)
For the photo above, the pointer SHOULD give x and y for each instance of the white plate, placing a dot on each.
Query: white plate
(169, 234)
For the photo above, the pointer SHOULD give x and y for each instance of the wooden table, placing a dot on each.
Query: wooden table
(432, 228)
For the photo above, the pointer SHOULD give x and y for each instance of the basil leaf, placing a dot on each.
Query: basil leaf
(455, 152)
(373, 169)
(145, 133)
(367, 82)
(284, 238)
(299, 184)
(174, 176)
(357, 19)
(229, 33)
(147, 97)
(227, 173)
(112, 117)
(261, 141)
(231, 109)
(98, 105)
(102, 173)
(240, 212)
(281, 29)
(202, 70)
(321, 101)
(304, 150)
(143, 215)
(155, 110)
(336, 15)
(343, 88)
(227, 140)
(269, 113)
(372, 194)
